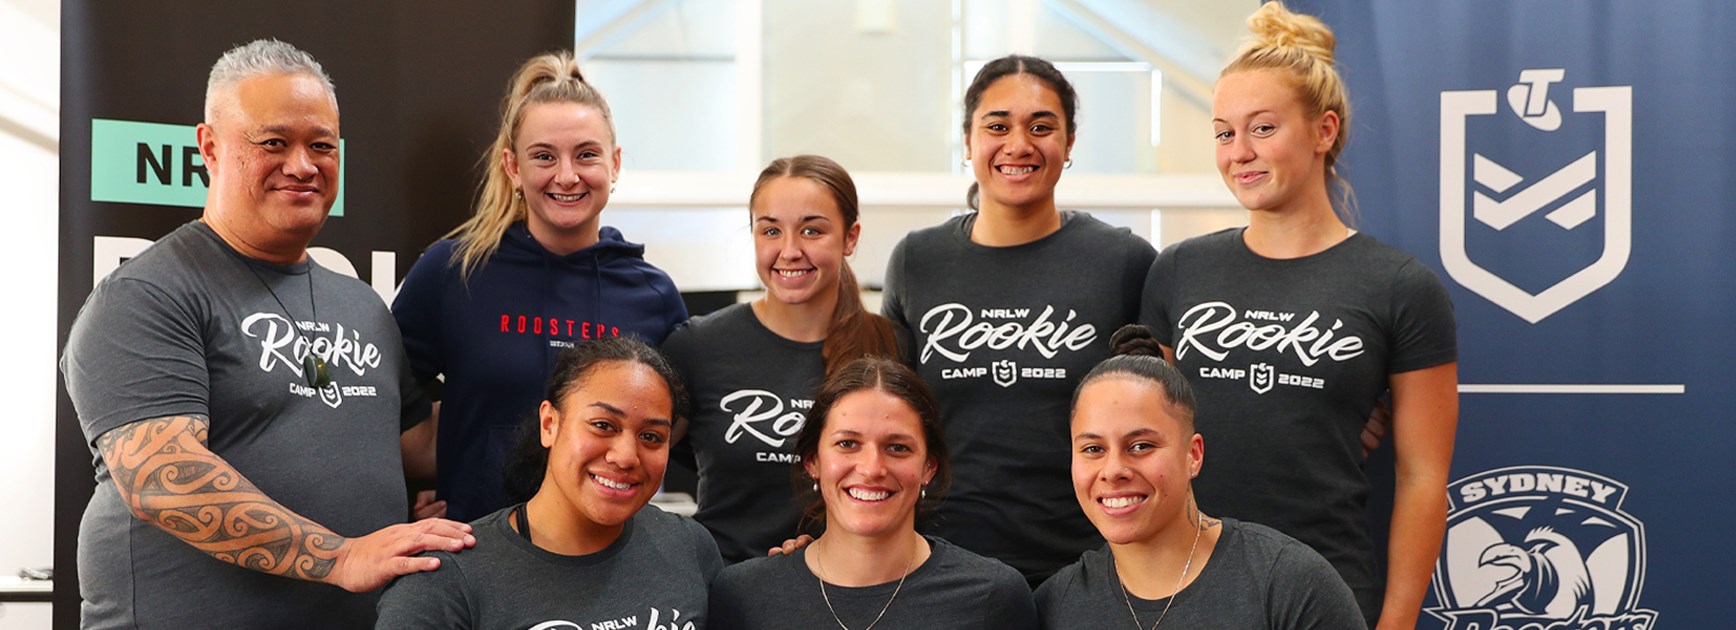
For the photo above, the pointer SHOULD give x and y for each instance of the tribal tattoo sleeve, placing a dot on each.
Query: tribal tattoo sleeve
(169, 478)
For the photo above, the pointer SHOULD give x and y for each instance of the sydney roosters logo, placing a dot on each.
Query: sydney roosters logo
(1216, 328)
(1541, 547)
(954, 332)
(555, 327)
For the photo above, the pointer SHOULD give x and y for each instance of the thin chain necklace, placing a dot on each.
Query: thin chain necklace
(907, 564)
(1199, 526)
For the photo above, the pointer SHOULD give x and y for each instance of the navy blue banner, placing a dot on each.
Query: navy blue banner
(1565, 167)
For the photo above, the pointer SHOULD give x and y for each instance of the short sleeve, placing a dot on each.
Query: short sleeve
(1424, 333)
(892, 302)
(710, 561)
(1307, 593)
(678, 348)
(1049, 596)
(429, 599)
(1010, 604)
(418, 312)
(724, 602)
(135, 352)
(1155, 298)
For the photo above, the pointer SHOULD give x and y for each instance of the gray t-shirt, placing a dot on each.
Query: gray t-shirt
(751, 390)
(189, 327)
(1256, 578)
(1003, 335)
(953, 589)
(655, 576)
(1287, 359)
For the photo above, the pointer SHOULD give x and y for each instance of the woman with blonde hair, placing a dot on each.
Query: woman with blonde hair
(754, 368)
(533, 272)
(1292, 328)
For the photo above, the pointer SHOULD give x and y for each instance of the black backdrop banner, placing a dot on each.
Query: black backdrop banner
(419, 86)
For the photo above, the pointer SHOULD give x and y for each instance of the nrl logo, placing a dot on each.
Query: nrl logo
(1261, 377)
(1540, 548)
(1006, 372)
(1511, 198)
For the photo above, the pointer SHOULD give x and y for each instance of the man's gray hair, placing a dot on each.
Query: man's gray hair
(258, 58)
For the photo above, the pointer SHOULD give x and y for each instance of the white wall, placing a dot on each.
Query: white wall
(30, 175)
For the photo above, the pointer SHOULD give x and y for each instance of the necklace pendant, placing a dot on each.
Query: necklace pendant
(314, 368)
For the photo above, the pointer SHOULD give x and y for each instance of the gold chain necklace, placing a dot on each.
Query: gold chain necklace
(1199, 526)
(909, 563)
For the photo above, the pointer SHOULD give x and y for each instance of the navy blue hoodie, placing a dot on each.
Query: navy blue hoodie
(496, 337)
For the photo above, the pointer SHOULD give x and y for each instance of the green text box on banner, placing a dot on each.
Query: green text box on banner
(156, 164)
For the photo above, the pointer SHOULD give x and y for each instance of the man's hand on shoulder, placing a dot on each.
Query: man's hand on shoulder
(369, 562)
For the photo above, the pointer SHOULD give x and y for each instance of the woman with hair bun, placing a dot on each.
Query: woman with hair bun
(872, 455)
(1007, 307)
(754, 368)
(1292, 328)
(533, 272)
(1135, 454)
(583, 550)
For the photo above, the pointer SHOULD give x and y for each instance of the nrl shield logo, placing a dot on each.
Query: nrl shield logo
(1569, 196)
(1260, 377)
(1006, 372)
(1540, 547)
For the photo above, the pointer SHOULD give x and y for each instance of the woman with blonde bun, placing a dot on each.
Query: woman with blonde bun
(532, 273)
(1135, 454)
(1292, 328)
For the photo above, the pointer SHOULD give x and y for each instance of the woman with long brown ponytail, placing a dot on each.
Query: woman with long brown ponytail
(532, 273)
(753, 368)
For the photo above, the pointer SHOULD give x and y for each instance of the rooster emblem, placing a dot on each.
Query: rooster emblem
(1550, 578)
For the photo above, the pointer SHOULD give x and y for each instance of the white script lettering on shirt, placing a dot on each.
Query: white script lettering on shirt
(758, 407)
(953, 333)
(1309, 343)
(339, 350)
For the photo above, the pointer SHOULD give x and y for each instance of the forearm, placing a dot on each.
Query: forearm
(169, 478)
(1419, 515)
(417, 446)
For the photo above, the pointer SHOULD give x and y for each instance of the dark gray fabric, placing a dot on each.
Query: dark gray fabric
(1287, 358)
(1256, 578)
(751, 389)
(187, 328)
(953, 589)
(1003, 335)
(655, 576)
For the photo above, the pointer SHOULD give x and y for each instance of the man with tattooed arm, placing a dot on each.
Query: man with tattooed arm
(243, 403)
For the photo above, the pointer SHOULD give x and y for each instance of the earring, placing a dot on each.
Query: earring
(1068, 164)
(924, 494)
(611, 188)
(518, 192)
(816, 487)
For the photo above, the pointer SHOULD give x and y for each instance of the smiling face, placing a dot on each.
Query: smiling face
(871, 465)
(1270, 151)
(608, 443)
(1132, 459)
(800, 239)
(564, 160)
(272, 152)
(1018, 143)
